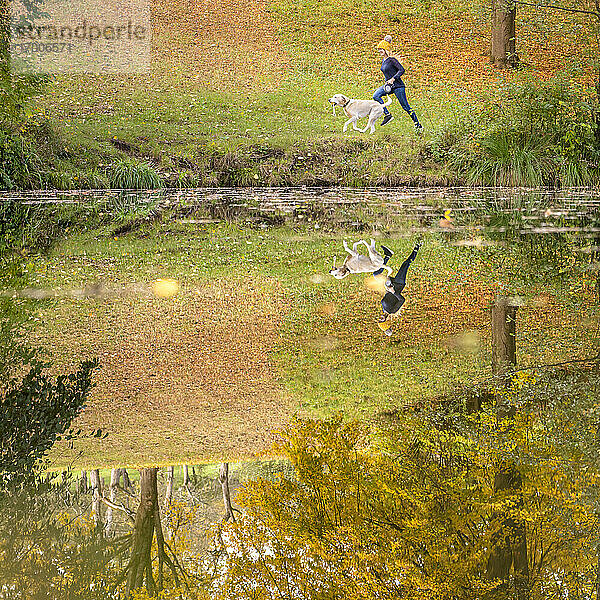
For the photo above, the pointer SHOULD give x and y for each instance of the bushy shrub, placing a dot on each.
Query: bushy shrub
(529, 133)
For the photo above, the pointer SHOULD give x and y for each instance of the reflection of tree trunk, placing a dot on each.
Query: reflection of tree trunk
(115, 475)
(504, 346)
(597, 114)
(502, 47)
(126, 480)
(169, 490)
(147, 521)
(96, 486)
(508, 540)
(186, 476)
(83, 483)
(169, 499)
(224, 479)
(140, 565)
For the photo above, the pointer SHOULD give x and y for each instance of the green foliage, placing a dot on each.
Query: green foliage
(26, 227)
(529, 134)
(36, 411)
(47, 551)
(15, 94)
(131, 174)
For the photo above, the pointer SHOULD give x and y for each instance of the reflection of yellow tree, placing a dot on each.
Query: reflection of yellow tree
(407, 515)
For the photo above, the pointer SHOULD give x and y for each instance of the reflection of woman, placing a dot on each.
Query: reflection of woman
(392, 71)
(393, 300)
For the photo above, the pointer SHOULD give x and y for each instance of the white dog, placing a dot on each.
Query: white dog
(358, 263)
(359, 109)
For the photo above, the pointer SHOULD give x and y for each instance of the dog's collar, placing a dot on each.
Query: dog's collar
(348, 102)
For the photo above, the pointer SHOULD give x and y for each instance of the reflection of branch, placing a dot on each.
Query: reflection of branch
(111, 504)
(122, 489)
(548, 366)
(563, 8)
(566, 362)
(187, 487)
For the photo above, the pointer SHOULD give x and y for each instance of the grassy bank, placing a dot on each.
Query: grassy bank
(259, 331)
(237, 95)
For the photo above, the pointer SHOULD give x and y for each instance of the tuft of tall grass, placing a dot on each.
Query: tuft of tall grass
(59, 180)
(133, 175)
(510, 160)
(20, 165)
(94, 180)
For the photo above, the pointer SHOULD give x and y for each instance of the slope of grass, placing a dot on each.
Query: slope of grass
(238, 90)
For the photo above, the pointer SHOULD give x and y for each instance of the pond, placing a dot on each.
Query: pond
(215, 319)
(219, 330)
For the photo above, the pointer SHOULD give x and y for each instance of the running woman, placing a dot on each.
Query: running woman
(393, 300)
(392, 71)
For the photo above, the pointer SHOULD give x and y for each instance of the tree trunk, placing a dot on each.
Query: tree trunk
(186, 475)
(140, 564)
(115, 475)
(508, 540)
(224, 479)
(502, 46)
(96, 487)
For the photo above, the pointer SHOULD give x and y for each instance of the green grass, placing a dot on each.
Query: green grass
(199, 138)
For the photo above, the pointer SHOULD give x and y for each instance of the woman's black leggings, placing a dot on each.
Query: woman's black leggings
(399, 280)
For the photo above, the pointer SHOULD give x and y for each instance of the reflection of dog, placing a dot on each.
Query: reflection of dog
(358, 263)
(359, 109)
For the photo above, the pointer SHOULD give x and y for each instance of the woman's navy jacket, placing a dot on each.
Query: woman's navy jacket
(391, 67)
